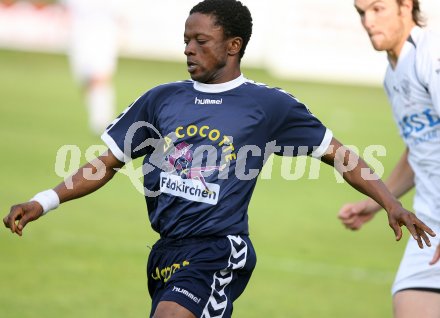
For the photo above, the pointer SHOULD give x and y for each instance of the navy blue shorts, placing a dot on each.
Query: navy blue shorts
(204, 275)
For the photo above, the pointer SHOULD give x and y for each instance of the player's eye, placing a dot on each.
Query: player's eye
(378, 9)
(361, 13)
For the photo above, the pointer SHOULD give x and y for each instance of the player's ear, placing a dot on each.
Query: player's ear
(406, 8)
(234, 45)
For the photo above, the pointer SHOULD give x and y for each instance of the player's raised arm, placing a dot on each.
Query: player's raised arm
(86, 180)
(341, 157)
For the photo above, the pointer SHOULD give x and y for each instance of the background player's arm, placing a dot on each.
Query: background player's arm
(400, 181)
(86, 180)
(339, 156)
(436, 256)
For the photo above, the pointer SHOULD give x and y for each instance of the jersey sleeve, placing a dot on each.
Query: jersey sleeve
(428, 68)
(132, 134)
(297, 128)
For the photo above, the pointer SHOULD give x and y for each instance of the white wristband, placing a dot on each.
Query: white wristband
(48, 199)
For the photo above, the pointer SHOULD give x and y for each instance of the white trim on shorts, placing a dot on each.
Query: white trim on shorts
(224, 277)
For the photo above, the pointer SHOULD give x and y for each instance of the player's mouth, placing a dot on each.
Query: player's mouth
(191, 66)
(374, 35)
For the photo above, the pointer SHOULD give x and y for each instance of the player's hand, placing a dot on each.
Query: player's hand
(436, 256)
(354, 215)
(399, 216)
(22, 214)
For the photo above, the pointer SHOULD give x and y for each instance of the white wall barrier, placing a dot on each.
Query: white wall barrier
(314, 39)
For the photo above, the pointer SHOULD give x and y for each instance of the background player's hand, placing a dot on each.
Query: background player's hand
(436, 256)
(21, 214)
(399, 216)
(354, 215)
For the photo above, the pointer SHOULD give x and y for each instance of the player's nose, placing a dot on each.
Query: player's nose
(368, 21)
(189, 48)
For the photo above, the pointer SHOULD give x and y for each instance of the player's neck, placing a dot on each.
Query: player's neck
(394, 52)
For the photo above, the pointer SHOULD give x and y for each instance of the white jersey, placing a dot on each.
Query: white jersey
(413, 89)
(94, 37)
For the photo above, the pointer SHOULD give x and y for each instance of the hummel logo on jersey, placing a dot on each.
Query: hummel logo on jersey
(208, 101)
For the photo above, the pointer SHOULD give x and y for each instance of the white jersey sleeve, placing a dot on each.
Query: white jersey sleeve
(428, 67)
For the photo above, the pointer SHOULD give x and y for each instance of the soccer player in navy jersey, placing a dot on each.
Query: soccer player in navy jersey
(204, 142)
(412, 84)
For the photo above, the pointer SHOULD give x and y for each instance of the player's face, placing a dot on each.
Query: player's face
(383, 21)
(206, 49)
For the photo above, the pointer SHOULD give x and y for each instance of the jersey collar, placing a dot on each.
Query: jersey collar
(414, 35)
(409, 45)
(219, 88)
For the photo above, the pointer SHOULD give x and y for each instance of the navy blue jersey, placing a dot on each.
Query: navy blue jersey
(203, 147)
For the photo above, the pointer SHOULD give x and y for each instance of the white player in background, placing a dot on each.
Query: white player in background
(93, 54)
(412, 83)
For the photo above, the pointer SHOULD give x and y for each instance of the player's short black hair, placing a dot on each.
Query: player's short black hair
(234, 17)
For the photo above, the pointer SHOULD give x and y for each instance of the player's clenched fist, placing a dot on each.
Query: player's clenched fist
(22, 214)
(354, 215)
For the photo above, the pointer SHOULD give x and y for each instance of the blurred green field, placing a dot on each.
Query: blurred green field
(87, 259)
